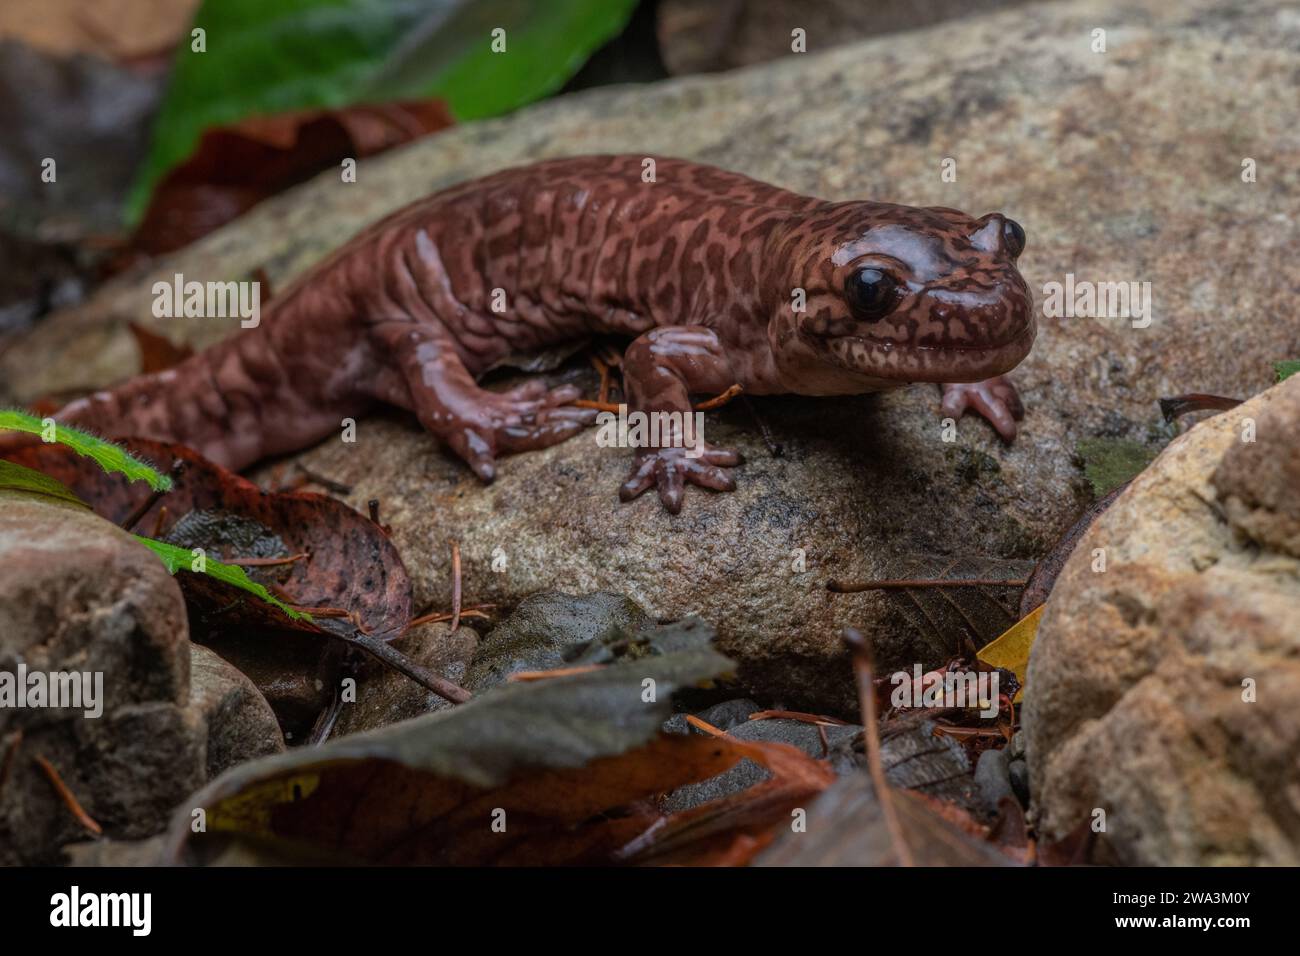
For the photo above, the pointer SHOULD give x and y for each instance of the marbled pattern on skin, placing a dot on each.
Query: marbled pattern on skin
(699, 268)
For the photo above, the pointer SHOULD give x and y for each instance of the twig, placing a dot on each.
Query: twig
(557, 672)
(602, 394)
(455, 584)
(705, 726)
(329, 484)
(1178, 405)
(62, 790)
(474, 610)
(387, 654)
(373, 505)
(719, 400)
(798, 715)
(862, 668)
(841, 587)
(599, 406)
(158, 522)
(265, 562)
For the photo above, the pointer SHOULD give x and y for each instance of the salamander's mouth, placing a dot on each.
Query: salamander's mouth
(908, 362)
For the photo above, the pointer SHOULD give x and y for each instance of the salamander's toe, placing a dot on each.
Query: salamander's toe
(996, 399)
(670, 469)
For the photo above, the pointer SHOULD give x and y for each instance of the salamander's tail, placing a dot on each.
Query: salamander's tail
(179, 404)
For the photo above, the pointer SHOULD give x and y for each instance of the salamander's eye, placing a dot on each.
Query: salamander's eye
(1014, 236)
(870, 293)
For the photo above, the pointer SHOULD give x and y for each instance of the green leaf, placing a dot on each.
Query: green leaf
(1109, 462)
(15, 477)
(182, 559)
(263, 58)
(1286, 369)
(112, 458)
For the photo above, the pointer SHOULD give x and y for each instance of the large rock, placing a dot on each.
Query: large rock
(79, 595)
(1166, 689)
(1121, 165)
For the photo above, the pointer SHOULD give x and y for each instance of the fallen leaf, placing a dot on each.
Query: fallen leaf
(954, 618)
(182, 559)
(235, 167)
(569, 765)
(846, 827)
(156, 352)
(1011, 650)
(353, 566)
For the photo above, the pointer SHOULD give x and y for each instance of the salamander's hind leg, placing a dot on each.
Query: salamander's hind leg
(994, 398)
(475, 423)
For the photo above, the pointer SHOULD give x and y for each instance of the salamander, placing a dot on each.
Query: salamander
(715, 278)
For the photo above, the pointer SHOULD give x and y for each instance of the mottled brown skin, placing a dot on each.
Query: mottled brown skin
(699, 268)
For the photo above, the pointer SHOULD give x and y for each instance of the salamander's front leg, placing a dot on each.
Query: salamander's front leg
(994, 398)
(660, 370)
(477, 424)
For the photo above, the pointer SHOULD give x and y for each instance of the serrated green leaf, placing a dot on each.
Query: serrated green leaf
(15, 477)
(1286, 369)
(112, 458)
(182, 559)
(264, 58)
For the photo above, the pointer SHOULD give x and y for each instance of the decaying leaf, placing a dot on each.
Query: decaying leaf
(183, 559)
(157, 352)
(845, 827)
(951, 602)
(235, 167)
(566, 768)
(350, 566)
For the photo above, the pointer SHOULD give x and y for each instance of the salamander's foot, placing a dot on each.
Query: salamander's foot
(523, 419)
(994, 398)
(670, 468)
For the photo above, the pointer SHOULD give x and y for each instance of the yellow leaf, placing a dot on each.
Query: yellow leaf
(1011, 648)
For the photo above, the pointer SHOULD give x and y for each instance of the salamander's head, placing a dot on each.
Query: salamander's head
(895, 294)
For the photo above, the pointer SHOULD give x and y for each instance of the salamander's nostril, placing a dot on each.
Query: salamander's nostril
(1014, 236)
